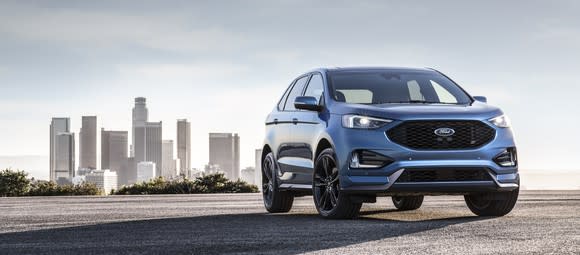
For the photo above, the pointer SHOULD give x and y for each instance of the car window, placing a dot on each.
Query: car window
(415, 90)
(395, 87)
(295, 92)
(443, 94)
(354, 96)
(314, 88)
(283, 99)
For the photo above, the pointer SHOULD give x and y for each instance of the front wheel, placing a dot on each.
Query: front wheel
(275, 201)
(492, 204)
(329, 200)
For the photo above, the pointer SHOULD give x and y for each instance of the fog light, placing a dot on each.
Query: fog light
(508, 157)
(368, 159)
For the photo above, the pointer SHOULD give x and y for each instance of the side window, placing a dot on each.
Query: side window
(315, 87)
(295, 92)
(283, 99)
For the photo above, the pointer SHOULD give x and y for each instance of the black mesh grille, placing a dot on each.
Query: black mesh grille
(444, 174)
(421, 134)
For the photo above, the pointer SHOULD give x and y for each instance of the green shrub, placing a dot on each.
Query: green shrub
(212, 183)
(50, 188)
(13, 183)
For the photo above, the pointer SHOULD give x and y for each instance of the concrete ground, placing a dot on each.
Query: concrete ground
(542, 222)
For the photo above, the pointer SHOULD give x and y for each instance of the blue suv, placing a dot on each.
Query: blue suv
(348, 135)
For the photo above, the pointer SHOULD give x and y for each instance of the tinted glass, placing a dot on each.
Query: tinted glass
(295, 92)
(387, 87)
(283, 99)
(314, 88)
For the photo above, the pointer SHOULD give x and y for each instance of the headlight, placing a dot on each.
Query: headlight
(363, 122)
(501, 121)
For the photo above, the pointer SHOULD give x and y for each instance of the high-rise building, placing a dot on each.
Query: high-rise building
(114, 154)
(258, 169)
(140, 117)
(88, 143)
(224, 151)
(105, 180)
(145, 171)
(62, 150)
(247, 175)
(184, 145)
(148, 144)
(168, 168)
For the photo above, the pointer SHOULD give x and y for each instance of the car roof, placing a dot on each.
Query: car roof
(370, 68)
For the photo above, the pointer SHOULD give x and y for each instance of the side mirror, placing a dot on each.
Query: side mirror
(307, 103)
(480, 99)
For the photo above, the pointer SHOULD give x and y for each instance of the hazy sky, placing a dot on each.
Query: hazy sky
(224, 64)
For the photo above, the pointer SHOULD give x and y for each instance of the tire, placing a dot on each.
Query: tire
(406, 203)
(330, 202)
(275, 201)
(494, 204)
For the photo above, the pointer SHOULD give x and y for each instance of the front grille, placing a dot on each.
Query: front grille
(444, 175)
(421, 135)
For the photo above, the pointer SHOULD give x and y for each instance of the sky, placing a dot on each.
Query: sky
(224, 64)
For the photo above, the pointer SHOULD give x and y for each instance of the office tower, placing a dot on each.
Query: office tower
(145, 171)
(131, 171)
(140, 117)
(64, 157)
(258, 169)
(88, 143)
(114, 154)
(247, 175)
(148, 144)
(168, 168)
(105, 180)
(224, 151)
(62, 149)
(184, 145)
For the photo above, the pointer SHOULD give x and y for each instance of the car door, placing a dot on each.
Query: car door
(284, 122)
(304, 133)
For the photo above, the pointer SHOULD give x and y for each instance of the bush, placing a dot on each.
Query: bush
(212, 183)
(50, 188)
(13, 183)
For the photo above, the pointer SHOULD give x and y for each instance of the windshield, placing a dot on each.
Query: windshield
(395, 87)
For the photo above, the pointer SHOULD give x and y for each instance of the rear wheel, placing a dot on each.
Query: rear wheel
(406, 203)
(329, 200)
(275, 201)
(498, 204)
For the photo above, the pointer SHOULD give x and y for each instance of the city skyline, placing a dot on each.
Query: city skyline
(213, 66)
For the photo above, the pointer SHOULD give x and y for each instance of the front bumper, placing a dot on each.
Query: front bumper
(384, 180)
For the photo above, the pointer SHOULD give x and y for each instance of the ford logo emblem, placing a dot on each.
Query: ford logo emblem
(444, 131)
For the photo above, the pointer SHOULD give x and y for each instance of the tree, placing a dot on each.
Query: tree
(13, 183)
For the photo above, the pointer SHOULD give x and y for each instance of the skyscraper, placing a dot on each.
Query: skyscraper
(88, 143)
(114, 154)
(62, 150)
(140, 117)
(184, 145)
(168, 168)
(146, 135)
(148, 144)
(224, 151)
(258, 168)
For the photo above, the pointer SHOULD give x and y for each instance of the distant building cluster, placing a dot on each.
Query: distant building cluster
(147, 156)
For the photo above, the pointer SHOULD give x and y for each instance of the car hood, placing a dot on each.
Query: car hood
(476, 110)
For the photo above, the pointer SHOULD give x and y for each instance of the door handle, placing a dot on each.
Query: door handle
(295, 121)
(275, 121)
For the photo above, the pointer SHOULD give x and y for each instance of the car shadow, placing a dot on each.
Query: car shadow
(250, 233)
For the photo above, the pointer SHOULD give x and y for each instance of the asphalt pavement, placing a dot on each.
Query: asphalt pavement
(542, 222)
